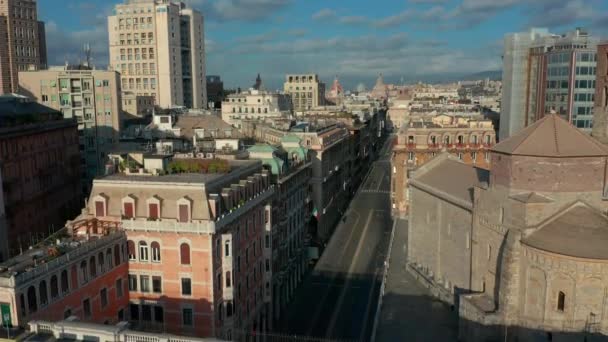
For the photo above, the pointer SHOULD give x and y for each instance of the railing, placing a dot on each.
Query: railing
(205, 227)
(60, 262)
(231, 216)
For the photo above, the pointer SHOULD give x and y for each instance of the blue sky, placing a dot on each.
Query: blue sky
(354, 39)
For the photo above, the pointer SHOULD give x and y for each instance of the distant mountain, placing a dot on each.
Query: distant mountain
(493, 75)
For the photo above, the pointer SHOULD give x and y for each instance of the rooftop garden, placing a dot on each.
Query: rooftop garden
(198, 166)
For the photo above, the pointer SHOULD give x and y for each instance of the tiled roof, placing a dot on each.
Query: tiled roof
(551, 136)
(188, 123)
(579, 232)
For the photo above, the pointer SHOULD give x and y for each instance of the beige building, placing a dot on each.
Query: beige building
(137, 105)
(254, 105)
(423, 138)
(520, 249)
(90, 96)
(306, 91)
(158, 48)
(22, 48)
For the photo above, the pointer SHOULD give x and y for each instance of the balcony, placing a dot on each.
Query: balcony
(169, 225)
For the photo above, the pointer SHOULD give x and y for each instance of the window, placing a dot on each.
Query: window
(119, 289)
(131, 250)
(65, 287)
(267, 265)
(144, 283)
(561, 301)
(100, 207)
(43, 293)
(54, 287)
(103, 295)
(132, 282)
(228, 279)
(121, 315)
(159, 314)
(187, 318)
(184, 251)
(267, 241)
(227, 248)
(184, 213)
(143, 251)
(128, 210)
(134, 311)
(155, 251)
(157, 286)
(186, 287)
(153, 211)
(117, 255)
(146, 313)
(86, 308)
(410, 156)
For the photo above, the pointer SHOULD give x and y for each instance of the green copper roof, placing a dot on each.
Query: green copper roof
(276, 165)
(291, 138)
(299, 151)
(262, 148)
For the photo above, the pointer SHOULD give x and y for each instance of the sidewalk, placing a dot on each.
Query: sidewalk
(409, 313)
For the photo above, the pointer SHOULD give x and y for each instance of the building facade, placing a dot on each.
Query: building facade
(545, 73)
(158, 48)
(40, 172)
(93, 98)
(195, 247)
(468, 140)
(254, 105)
(82, 273)
(306, 91)
(285, 249)
(600, 110)
(518, 246)
(23, 47)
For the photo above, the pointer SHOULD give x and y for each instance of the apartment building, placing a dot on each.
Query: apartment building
(469, 140)
(25, 45)
(93, 98)
(158, 47)
(306, 91)
(195, 245)
(81, 271)
(40, 172)
(285, 246)
(545, 73)
(254, 105)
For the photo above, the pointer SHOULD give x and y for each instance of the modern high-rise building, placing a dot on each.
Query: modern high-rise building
(93, 98)
(158, 46)
(545, 73)
(600, 111)
(306, 91)
(24, 43)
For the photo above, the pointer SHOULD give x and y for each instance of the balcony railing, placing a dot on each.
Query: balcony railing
(163, 225)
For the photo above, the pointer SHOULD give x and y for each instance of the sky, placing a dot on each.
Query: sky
(356, 40)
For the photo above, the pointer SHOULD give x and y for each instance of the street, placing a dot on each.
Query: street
(338, 299)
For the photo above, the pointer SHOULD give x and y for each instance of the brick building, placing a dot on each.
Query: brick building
(40, 172)
(422, 139)
(81, 271)
(520, 249)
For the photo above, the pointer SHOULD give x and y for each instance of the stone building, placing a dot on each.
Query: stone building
(306, 91)
(254, 105)
(469, 139)
(520, 249)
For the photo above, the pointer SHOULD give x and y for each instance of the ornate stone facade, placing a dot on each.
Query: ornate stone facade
(536, 250)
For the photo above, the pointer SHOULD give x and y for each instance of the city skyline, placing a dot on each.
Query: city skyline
(356, 42)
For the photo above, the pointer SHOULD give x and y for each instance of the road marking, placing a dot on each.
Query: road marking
(334, 317)
(317, 312)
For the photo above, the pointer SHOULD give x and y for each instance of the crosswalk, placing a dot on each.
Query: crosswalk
(375, 191)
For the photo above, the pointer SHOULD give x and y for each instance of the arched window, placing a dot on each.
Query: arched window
(131, 250)
(116, 255)
(488, 139)
(100, 262)
(229, 309)
(32, 303)
(228, 279)
(473, 139)
(22, 304)
(143, 251)
(184, 252)
(44, 299)
(561, 301)
(83, 272)
(65, 284)
(109, 258)
(155, 246)
(54, 287)
(92, 267)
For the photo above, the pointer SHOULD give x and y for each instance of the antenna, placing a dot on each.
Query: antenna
(87, 54)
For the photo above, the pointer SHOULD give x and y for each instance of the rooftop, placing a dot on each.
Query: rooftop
(580, 231)
(554, 137)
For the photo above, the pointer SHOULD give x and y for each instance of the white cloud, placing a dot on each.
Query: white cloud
(68, 45)
(223, 10)
(353, 20)
(324, 14)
